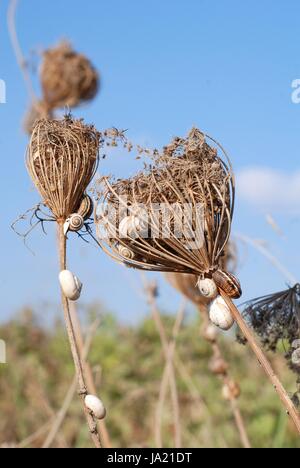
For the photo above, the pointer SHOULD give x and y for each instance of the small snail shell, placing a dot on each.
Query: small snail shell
(218, 366)
(228, 283)
(76, 222)
(220, 314)
(231, 391)
(96, 407)
(208, 288)
(296, 357)
(70, 284)
(86, 207)
(126, 253)
(210, 333)
(133, 227)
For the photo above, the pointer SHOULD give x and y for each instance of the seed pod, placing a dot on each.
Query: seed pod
(96, 407)
(231, 391)
(70, 284)
(218, 366)
(210, 333)
(228, 283)
(126, 253)
(208, 288)
(220, 314)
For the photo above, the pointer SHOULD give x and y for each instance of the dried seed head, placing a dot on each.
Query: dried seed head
(189, 172)
(68, 78)
(62, 158)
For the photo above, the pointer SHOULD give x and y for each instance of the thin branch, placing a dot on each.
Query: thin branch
(172, 380)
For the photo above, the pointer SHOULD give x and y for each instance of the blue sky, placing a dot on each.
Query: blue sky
(226, 67)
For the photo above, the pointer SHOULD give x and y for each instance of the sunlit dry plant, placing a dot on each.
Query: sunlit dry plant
(68, 78)
(62, 157)
(176, 215)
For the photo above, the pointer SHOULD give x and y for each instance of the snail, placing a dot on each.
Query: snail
(218, 366)
(95, 406)
(228, 283)
(75, 221)
(70, 284)
(220, 314)
(86, 207)
(133, 227)
(210, 333)
(231, 391)
(125, 252)
(208, 288)
(296, 357)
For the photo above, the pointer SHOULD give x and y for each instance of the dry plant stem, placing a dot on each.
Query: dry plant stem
(11, 21)
(61, 415)
(90, 381)
(72, 340)
(264, 362)
(239, 421)
(172, 380)
(166, 374)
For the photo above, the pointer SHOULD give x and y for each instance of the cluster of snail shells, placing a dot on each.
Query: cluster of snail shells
(71, 286)
(95, 406)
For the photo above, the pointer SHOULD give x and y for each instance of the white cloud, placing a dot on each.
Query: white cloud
(270, 189)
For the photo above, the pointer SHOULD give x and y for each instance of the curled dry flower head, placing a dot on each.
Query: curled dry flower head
(177, 213)
(62, 158)
(67, 77)
(276, 319)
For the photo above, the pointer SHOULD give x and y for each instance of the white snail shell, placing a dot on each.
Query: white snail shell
(296, 357)
(210, 333)
(70, 284)
(125, 252)
(95, 405)
(220, 314)
(133, 227)
(208, 288)
(76, 222)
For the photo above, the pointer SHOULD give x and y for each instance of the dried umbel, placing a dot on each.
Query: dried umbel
(67, 77)
(276, 319)
(62, 158)
(177, 212)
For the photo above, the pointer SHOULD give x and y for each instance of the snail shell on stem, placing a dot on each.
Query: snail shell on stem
(86, 207)
(208, 288)
(70, 285)
(228, 283)
(74, 223)
(126, 253)
(220, 314)
(95, 406)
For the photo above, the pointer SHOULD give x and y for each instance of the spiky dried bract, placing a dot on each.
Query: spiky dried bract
(195, 187)
(276, 319)
(62, 158)
(67, 77)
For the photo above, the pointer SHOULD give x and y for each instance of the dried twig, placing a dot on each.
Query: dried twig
(264, 362)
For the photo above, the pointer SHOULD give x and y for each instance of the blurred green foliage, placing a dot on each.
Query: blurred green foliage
(128, 365)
